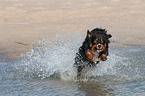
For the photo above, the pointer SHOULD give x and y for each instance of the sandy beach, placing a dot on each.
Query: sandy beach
(24, 22)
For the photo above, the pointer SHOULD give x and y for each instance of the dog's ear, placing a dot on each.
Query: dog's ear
(109, 35)
(89, 34)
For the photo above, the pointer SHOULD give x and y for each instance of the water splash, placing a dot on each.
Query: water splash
(55, 59)
(120, 66)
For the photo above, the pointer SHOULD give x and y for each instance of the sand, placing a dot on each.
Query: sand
(24, 22)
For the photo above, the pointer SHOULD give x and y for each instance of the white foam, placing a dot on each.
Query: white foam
(55, 58)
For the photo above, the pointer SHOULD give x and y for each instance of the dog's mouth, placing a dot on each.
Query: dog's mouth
(97, 48)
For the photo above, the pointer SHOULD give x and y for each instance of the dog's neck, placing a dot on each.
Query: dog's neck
(95, 55)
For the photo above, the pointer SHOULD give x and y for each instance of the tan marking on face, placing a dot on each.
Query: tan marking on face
(93, 48)
(105, 44)
(101, 41)
(96, 41)
(103, 48)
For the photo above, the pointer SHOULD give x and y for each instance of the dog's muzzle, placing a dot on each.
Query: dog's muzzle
(98, 47)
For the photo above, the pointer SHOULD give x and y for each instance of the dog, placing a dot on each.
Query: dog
(93, 50)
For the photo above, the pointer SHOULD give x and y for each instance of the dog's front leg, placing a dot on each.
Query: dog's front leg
(89, 55)
(103, 57)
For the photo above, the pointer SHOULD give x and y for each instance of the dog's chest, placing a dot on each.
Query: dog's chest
(95, 56)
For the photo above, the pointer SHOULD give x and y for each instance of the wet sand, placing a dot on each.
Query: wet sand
(24, 22)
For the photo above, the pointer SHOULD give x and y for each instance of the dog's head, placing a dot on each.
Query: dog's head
(98, 39)
(98, 45)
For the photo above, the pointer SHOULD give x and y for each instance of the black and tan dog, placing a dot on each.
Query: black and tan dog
(94, 48)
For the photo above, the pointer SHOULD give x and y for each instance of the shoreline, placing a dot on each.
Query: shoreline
(16, 54)
(24, 23)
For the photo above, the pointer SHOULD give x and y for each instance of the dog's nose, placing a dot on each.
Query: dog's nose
(99, 45)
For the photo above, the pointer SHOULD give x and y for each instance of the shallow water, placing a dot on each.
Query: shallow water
(48, 70)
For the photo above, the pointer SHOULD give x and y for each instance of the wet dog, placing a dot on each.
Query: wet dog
(93, 50)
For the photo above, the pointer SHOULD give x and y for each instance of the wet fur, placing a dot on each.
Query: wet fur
(88, 54)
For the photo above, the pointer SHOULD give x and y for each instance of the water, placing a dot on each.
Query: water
(47, 70)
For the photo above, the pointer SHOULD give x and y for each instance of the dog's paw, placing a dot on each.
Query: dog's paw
(89, 55)
(103, 57)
